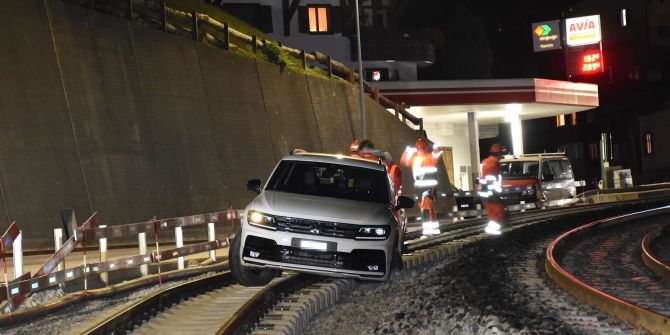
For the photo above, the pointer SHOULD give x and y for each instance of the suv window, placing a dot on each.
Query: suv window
(330, 180)
(519, 170)
(560, 169)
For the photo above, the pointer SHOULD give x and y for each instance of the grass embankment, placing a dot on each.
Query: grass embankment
(270, 53)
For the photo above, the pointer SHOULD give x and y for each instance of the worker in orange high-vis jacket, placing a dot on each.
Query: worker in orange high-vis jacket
(394, 173)
(353, 148)
(423, 160)
(490, 189)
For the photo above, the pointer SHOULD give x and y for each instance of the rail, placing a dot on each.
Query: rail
(624, 310)
(650, 259)
(202, 27)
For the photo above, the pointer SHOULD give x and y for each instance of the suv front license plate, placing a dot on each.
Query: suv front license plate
(313, 245)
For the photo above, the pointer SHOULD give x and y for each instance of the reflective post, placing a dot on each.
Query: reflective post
(179, 237)
(142, 242)
(102, 243)
(58, 243)
(17, 252)
(211, 236)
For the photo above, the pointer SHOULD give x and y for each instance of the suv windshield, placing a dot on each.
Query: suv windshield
(330, 180)
(518, 170)
(560, 169)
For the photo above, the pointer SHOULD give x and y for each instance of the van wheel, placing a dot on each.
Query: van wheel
(247, 276)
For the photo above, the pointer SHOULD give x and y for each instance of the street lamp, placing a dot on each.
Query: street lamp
(360, 73)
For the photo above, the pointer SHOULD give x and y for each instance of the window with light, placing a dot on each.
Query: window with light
(319, 21)
(560, 120)
(648, 144)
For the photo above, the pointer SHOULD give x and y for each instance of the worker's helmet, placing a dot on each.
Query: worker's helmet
(353, 148)
(366, 145)
(421, 144)
(496, 149)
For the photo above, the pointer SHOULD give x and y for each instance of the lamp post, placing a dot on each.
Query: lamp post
(364, 134)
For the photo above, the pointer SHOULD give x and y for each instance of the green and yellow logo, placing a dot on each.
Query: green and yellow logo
(542, 30)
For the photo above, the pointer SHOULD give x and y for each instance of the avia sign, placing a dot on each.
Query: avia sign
(583, 30)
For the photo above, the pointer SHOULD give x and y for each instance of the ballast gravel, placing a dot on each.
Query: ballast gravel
(474, 292)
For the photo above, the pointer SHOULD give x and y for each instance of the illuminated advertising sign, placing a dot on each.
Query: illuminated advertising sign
(591, 61)
(546, 35)
(376, 75)
(586, 60)
(583, 30)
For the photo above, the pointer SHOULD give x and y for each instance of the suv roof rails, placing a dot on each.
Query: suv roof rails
(297, 151)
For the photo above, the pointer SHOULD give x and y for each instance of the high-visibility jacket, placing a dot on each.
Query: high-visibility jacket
(490, 181)
(424, 166)
(396, 177)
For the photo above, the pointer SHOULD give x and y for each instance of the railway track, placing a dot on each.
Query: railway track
(602, 264)
(259, 310)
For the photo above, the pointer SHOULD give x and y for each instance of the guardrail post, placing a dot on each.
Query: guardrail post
(58, 243)
(195, 29)
(397, 111)
(454, 209)
(352, 77)
(254, 43)
(375, 94)
(329, 66)
(211, 236)
(303, 59)
(479, 209)
(17, 252)
(102, 243)
(142, 242)
(129, 9)
(179, 237)
(421, 124)
(226, 36)
(163, 15)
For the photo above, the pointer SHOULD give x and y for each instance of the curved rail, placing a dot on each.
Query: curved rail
(624, 310)
(650, 260)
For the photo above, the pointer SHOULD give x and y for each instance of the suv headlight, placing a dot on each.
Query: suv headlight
(261, 220)
(373, 233)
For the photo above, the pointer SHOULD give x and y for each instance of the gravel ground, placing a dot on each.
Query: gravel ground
(476, 293)
(70, 318)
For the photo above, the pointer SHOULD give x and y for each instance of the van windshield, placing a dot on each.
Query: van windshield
(330, 180)
(560, 169)
(519, 170)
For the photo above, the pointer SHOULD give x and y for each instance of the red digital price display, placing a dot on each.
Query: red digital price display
(591, 61)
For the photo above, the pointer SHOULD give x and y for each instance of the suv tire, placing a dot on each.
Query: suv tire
(247, 276)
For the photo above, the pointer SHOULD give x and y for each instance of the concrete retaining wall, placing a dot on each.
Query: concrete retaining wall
(103, 115)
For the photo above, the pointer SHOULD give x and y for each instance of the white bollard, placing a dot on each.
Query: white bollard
(454, 209)
(180, 243)
(479, 208)
(58, 243)
(523, 206)
(17, 251)
(142, 241)
(104, 276)
(211, 236)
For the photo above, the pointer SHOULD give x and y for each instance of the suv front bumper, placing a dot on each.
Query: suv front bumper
(361, 259)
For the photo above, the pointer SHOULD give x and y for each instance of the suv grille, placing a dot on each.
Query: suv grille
(314, 227)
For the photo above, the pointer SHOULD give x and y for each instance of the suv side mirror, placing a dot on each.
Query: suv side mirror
(403, 202)
(548, 177)
(254, 185)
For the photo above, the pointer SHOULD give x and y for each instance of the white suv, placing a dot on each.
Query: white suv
(322, 214)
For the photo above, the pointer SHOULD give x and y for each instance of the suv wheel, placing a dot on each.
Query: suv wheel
(247, 276)
(396, 257)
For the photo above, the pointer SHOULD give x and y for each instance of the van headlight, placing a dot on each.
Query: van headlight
(373, 233)
(261, 220)
(530, 190)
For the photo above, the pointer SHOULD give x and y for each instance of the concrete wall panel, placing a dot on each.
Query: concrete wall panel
(39, 167)
(289, 109)
(242, 129)
(332, 116)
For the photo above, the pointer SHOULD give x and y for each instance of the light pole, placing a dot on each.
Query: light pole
(364, 134)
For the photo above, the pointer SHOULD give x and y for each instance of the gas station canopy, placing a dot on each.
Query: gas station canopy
(494, 100)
